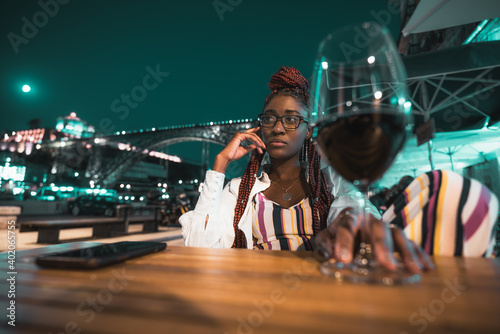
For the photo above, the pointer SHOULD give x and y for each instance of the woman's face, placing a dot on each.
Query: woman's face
(280, 142)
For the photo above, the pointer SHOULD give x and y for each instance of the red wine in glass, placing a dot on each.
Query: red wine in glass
(361, 118)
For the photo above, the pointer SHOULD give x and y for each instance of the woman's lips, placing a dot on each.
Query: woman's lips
(277, 143)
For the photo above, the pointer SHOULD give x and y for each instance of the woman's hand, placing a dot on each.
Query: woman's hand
(341, 238)
(235, 150)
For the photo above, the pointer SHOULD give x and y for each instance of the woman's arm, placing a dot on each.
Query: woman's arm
(210, 223)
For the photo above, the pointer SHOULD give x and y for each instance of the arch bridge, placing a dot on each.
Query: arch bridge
(137, 144)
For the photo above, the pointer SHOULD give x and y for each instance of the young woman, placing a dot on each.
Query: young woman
(285, 196)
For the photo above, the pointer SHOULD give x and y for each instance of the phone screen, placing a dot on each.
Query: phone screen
(98, 256)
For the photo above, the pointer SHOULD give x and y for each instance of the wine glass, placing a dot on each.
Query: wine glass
(361, 119)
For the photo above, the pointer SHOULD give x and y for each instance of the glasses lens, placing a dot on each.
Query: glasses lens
(267, 120)
(291, 122)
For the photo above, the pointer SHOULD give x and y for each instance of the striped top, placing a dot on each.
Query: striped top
(278, 228)
(447, 214)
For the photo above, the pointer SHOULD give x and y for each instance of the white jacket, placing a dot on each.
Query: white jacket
(217, 203)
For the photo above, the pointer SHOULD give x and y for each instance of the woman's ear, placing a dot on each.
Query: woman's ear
(309, 132)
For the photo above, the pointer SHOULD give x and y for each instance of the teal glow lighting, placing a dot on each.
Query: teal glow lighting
(475, 32)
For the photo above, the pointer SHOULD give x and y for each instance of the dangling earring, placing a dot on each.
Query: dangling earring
(304, 151)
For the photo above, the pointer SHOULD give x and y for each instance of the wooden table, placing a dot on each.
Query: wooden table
(198, 290)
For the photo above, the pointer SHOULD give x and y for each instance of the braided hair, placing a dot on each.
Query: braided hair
(246, 185)
(289, 82)
(318, 189)
(286, 82)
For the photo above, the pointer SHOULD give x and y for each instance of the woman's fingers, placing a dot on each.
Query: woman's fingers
(254, 137)
(345, 225)
(254, 130)
(382, 245)
(251, 147)
(251, 135)
(237, 147)
(413, 256)
(422, 256)
(325, 242)
(340, 241)
(407, 251)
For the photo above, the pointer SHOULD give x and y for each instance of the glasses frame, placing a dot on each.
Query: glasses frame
(301, 120)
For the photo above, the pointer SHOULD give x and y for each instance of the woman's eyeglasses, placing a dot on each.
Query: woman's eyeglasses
(290, 122)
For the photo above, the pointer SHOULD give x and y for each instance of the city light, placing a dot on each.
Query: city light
(17, 191)
(407, 106)
(14, 173)
(161, 155)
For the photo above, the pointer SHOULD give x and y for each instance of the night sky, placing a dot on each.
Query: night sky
(87, 56)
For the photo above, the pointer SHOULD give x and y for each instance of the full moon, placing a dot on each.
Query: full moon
(26, 88)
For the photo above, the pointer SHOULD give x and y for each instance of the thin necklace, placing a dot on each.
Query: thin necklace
(286, 195)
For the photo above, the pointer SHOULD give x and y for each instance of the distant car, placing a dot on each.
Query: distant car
(104, 205)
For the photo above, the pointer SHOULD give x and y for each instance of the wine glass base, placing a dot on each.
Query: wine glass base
(374, 274)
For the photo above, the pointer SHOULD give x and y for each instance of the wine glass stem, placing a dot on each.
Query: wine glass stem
(365, 256)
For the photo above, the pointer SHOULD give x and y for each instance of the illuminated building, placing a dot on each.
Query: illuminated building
(74, 127)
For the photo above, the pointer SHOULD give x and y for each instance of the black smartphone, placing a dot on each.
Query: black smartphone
(99, 256)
